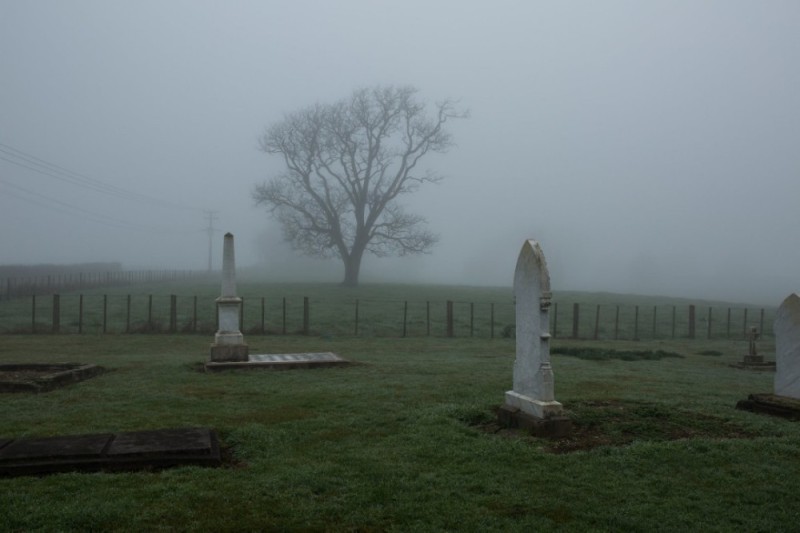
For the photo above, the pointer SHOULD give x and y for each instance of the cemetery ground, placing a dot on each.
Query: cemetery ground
(406, 439)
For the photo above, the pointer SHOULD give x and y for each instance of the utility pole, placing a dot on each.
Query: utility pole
(211, 216)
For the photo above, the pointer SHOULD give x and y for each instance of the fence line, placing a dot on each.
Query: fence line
(76, 313)
(24, 286)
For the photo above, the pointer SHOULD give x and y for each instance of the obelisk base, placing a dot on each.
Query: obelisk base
(229, 352)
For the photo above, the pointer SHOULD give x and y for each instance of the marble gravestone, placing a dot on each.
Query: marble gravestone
(229, 342)
(787, 348)
(532, 402)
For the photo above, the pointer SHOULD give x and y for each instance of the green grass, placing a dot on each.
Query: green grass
(395, 443)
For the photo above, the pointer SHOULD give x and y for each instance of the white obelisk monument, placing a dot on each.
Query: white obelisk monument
(229, 342)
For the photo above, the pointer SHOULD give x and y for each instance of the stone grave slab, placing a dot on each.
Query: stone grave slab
(72, 447)
(282, 361)
(43, 377)
(187, 441)
(140, 450)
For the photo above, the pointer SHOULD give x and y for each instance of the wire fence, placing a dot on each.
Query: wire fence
(142, 313)
(56, 282)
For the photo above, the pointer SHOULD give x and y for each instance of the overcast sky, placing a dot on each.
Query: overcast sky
(651, 147)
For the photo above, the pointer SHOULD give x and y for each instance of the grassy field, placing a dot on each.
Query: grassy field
(405, 440)
(384, 310)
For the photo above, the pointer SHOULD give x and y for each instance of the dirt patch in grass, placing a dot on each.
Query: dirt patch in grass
(604, 354)
(617, 423)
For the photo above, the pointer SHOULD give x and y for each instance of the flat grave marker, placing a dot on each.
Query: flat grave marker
(139, 450)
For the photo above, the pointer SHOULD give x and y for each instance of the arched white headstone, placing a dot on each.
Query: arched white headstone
(533, 375)
(787, 347)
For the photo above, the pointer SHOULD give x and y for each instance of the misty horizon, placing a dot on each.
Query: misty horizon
(649, 147)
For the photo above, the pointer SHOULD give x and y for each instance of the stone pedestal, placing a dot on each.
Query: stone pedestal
(229, 353)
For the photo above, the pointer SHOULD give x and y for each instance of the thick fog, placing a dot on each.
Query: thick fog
(651, 147)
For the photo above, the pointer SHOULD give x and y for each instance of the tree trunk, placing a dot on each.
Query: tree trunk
(352, 267)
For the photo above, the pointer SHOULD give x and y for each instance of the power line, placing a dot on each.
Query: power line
(44, 167)
(36, 198)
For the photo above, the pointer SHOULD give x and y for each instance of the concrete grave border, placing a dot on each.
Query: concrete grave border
(53, 375)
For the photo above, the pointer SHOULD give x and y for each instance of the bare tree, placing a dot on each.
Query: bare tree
(346, 165)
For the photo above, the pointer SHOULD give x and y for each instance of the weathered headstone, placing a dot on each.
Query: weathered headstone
(533, 393)
(785, 402)
(753, 360)
(787, 348)
(229, 342)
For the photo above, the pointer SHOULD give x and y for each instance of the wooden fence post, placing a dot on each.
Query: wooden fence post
(306, 316)
(491, 320)
(33, 314)
(428, 318)
(655, 313)
(691, 322)
(241, 315)
(555, 319)
(56, 313)
(761, 322)
(728, 326)
(355, 329)
(405, 317)
(576, 316)
(173, 313)
(597, 322)
(674, 314)
(471, 319)
(744, 324)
